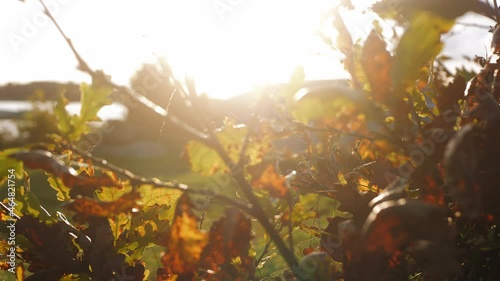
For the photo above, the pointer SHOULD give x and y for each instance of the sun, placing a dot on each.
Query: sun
(230, 47)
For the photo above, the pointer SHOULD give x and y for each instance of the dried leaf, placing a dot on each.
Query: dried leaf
(44, 160)
(271, 181)
(449, 95)
(229, 239)
(185, 242)
(86, 207)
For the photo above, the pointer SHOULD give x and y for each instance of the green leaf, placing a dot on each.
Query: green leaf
(64, 119)
(207, 162)
(7, 163)
(118, 224)
(28, 203)
(420, 44)
(158, 196)
(151, 197)
(325, 104)
(58, 185)
(111, 194)
(93, 98)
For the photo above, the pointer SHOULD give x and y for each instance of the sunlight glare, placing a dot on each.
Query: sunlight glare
(256, 43)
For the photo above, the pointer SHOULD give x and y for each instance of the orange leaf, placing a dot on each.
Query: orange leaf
(271, 181)
(44, 160)
(185, 242)
(229, 238)
(90, 207)
(165, 274)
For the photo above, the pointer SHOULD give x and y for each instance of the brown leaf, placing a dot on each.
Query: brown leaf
(376, 62)
(86, 207)
(165, 274)
(53, 245)
(271, 181)
(449, 95)
(473, 171)
(44, 160)
(394, 228)
(393, 224)
(229, 238)
(185, 242)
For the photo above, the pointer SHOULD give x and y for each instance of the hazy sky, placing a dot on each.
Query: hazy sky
(227, 45)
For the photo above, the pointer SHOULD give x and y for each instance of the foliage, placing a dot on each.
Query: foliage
(398, 179)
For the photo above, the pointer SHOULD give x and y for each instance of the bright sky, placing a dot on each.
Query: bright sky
(228, 46)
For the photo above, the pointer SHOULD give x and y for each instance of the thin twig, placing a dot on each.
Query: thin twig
(471, 24)
(138, 180)
(264, 251)
(302, 126)
(202, 217)
(167, 108)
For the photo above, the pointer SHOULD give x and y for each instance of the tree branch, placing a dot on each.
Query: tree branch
(99, 76)
(135, 180)
(210, 140)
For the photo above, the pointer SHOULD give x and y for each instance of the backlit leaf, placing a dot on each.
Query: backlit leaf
(206, 161)
(327, 104)
(86, 207)
(28, 203)
(9, 164)
(63, 192)
(39, 159)
(420, 44)
(185, 242)
(157, 196)
(446, 8)
(64, 119)
(229, 238)
(93, 98)
(271, 181)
